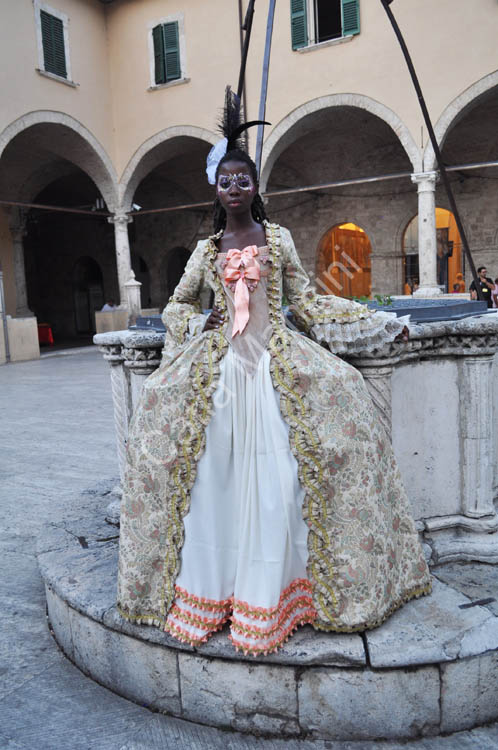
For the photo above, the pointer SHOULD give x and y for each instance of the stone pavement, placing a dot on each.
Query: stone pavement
(56, 440)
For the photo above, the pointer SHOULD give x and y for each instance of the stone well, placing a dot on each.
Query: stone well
(431, 668)
(437, 397)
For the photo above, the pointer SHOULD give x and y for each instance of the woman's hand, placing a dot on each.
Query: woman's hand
(404, 335)
(215, 320)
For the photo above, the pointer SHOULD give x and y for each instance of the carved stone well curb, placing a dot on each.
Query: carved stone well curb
(431, 668)
(437, 397)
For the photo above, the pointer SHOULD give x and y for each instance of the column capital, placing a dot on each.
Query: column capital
(426, 181)
(121, 219)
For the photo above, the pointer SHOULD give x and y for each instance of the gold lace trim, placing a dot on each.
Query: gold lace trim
(304, 446)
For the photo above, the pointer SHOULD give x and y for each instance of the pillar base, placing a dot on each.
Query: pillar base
(24, 312)
(428, 292)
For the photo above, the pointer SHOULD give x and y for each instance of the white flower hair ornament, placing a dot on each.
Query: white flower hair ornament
(214, 157)
(232, 129)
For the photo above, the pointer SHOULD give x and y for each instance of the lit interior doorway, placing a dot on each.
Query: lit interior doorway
(450, 265)
(344, 262)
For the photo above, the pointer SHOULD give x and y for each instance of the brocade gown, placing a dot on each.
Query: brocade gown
(261, 487)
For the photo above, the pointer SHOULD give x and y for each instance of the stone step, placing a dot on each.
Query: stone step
(431, 668)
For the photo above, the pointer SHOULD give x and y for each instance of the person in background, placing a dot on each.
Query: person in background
(494, 294)
(109, 306)
(461, 282)
(486, 285)
(456, 288)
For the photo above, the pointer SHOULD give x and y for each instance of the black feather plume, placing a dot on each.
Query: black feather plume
(231, 119)
(231, 124)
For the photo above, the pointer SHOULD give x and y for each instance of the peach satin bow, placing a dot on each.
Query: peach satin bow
(242, 268)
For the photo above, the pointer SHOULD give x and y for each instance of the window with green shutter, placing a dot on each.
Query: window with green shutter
(299, 25)
(54, 54)
(350, 12)
(166, 53)
(316, 21)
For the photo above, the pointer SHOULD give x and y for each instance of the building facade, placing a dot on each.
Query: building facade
(110, 106)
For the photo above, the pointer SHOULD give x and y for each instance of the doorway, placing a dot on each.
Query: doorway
(344, 262)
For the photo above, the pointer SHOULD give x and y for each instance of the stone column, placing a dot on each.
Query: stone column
(123, 255)
(427, 241)
(476, 425)
(22, 309)
(140, 364)
(378, 382)
(121, 397)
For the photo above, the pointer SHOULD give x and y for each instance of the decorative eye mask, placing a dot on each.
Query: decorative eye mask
(243, 181)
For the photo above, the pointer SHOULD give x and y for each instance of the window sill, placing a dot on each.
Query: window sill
(328, 43)
(55, 77)
(169, 84)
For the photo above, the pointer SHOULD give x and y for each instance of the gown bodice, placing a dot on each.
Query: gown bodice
(252, 342)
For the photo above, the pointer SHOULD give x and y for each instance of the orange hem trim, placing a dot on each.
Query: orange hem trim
(189, 618)
(185, 637)
(302, 619)
(201, 602)
(264, 613)
(253, 631)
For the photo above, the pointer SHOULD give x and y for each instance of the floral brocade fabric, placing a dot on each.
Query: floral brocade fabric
(365, 559)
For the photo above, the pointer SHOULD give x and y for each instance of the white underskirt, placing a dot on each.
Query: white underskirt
(245, 551)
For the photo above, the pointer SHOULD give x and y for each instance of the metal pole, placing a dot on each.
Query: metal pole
(247, 27)
(244, 93)
(264, 85)
(432, 136)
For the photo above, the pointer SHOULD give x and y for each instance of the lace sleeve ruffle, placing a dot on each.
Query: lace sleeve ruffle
(182, 315)
(362, 335)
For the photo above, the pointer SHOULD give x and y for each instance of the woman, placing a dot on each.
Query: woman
(261, 488)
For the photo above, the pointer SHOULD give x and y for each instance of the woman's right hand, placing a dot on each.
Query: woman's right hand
(215, 320)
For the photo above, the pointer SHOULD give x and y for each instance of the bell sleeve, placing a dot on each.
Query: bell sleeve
(342, 325)
(183, 317)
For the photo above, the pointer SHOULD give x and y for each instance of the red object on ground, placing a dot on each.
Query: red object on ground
(45, 335)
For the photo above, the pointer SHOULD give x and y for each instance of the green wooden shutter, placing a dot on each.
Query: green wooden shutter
(54, 55)
(299, 26)
(350, 11)
(171, 51)
(159, 67)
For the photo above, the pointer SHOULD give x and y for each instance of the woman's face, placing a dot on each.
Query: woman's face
(235, 187)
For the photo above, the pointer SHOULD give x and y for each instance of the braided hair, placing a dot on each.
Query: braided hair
(257, 207)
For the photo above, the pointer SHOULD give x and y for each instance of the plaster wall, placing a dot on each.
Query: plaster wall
(370, 63)
(26, 90)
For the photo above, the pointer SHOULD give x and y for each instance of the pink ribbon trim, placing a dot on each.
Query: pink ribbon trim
(242, 268)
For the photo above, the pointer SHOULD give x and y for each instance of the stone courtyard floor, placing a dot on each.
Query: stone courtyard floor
(56, 441)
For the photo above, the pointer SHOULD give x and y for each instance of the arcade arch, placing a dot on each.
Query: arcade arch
(38, 151)
(296, 123)
(343, 142)
(468, 134)
(168, 170)
(54, 243)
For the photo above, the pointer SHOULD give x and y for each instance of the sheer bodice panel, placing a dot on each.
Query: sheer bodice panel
(252, 342)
